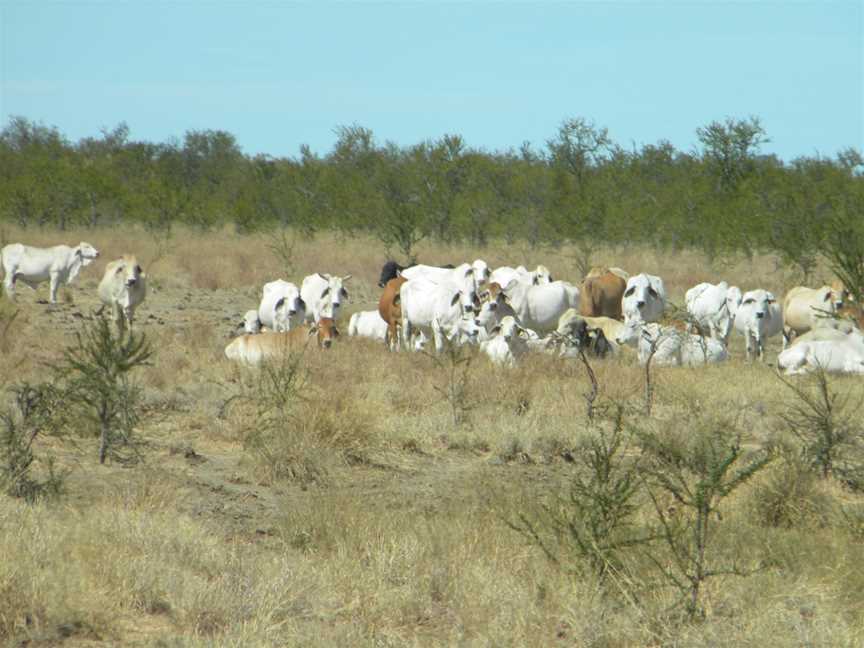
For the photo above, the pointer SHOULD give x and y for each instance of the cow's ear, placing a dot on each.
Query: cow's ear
(653, 292)
(313, 330)
(827, 296)
(495, 330)
(326, 291)
(301, 303)
(455, 299)
(344, 293)
(279, 304)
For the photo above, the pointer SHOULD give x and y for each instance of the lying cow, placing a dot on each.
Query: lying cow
(123, 288)
(841, 356)
(667, 346)
(32, 265)
(253, 349)
(507, 344)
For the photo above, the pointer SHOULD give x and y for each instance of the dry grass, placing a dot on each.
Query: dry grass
(400, 537)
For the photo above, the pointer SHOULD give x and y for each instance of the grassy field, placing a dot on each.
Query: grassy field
(369, 517)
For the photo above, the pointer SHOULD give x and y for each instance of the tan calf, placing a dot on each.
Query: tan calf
(254, 348)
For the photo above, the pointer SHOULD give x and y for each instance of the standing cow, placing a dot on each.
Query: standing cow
(602, 294)
(32, 265)
(323, 295)
(758, 318)
(123, 288)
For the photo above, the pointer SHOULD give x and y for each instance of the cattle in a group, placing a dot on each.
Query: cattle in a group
(601, 295)
(281, 308)
(644, 298)
(253, 349)
(539, 307)
(60, 264)
(507, 344)
(323, 295)
(251, 322)
(757, 318)
(668, 346)
(505, 274)
(841, 356)
(123, 288)
(441, 309)
(712, 309)
(804, 309)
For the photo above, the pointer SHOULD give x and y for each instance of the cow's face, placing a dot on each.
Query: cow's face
(481, 272)
(251, 323)
(837, 295)
(631, 333)
(542, 276)
(640, 292)
(465, 330)
(129, 271)
(87, 253)
(326, 332)
(756, 304)
(466, 299)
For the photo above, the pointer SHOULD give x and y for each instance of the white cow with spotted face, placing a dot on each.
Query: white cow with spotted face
(644, 298)
(281, 308)
(323, 295)
(442, 310)
(32, 265)
(123, 288)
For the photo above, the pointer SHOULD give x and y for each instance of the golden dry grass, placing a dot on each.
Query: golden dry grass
(398, 537)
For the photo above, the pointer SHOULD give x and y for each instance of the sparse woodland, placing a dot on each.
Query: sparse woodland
(360, 497)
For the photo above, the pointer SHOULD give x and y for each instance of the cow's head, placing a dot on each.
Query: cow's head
(839, 295)
(326, 332)
(251, 323)
(465, 330)
(466, 299)
(390, 270)
(481, 272)
(509, 329)
(542, 276)
(129, 271)
(86, 253)
(756, 304)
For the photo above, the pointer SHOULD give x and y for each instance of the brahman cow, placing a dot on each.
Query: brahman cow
(367, 324)
(805, 308)
(443, 309)
(842, 356)
(32, 265)
(253, 349)
(758, 318)
(281, 308)
(507, 344)
(505, 274)
(713, 308)
(667, 346)
(644, 298)
(463, 276)
(323, 294)
(540, 307)
(601, 295)
(123, 288)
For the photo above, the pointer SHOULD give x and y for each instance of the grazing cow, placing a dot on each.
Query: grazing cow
(667, 346)
(281, 308)
(323, 295)
(123, 288)
(505, 274)
(32, 265)
(758, 318)
(507, 344)
(253, 349)
(709, 306)
(644, 298)
(804, 309)
(442, 309)
(841, 356)
(251, 322)
(601, 295)
(540, 307)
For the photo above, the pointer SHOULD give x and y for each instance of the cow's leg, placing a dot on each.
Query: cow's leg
(438, 336)
(749, 338)
(55, 284)
(406, 332)
(9, 284)
(119, 321)
(760, 345)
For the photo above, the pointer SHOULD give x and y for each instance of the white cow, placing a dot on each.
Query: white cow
(505, 274)
(758, 318)
(806, 308)
(709, 306)
(671, 347)
(507, 344)
(251, 322)
(123, 288)
(644, 298)
(481, 272)
(539, 307)
(367, 324)
(842, 356)
(281, 308)
(463, 276)
(32, 265)
(323, 295)
(442, 309)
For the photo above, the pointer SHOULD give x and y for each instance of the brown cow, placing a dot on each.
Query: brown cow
(390, 311)
(253, 348)
(601, 295)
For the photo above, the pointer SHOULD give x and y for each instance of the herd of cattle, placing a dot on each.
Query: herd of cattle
(507, 312)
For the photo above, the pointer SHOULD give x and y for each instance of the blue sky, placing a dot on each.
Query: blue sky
(277, 74)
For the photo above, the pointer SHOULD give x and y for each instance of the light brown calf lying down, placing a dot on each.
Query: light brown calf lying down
(252, 349)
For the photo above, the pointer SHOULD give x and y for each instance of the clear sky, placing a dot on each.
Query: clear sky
(280, 74)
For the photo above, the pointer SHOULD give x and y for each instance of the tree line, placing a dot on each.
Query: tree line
(580, 187)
